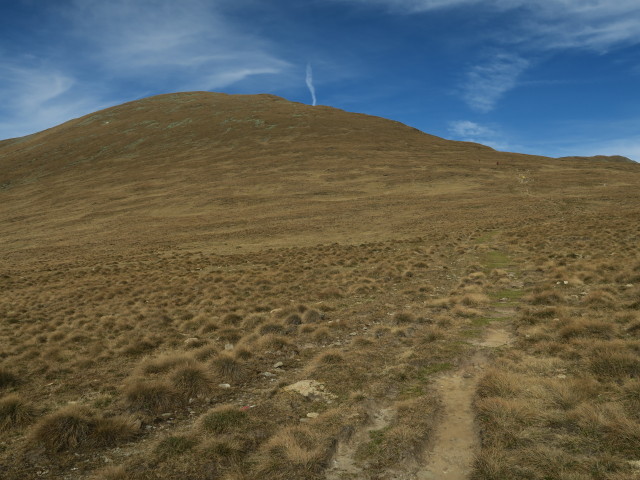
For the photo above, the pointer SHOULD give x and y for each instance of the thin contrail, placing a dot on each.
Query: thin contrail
(310, 84)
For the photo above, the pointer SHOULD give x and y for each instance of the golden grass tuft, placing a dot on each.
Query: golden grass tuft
(152, 396)
(312, 316)
(499, 383)
(175, 445)
(192, 380)
(164, 363)
(223, 419)
(15, 412)
(229, 368)
(76, 426)
(7, 378)
(293, 452)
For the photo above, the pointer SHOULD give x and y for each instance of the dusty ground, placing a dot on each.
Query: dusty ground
(169, 267)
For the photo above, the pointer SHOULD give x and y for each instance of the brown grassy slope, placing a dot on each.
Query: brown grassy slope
(207, 170)
(365, 255)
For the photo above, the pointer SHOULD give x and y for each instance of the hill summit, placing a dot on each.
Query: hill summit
(255, 170)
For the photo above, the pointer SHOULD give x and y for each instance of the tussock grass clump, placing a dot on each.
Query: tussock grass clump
(223, 419)
(333, 357)
(175, 445)
(293, 452)
(614, 364)
(153, 396)
(231, 335)
(76, 426)
(7, 378)
(329, 294)
(293, 319)
(569, 392)
(466, 312)
(499, 383)
(164, 363)
(274, 343)
(599, 299)
(229, 368)
(192, 380)
(312, 316)
(401, 318)
(273, 328)
(474, 300)
(140, 346)
(15, 412)
(545, 297)
(586, 328)
(116, 472)
(322, 335)
(505, 421)
(232, 319)
(223, 452)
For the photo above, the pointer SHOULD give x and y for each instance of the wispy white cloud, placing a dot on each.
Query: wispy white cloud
(189, 43)
(535, 27)
(469, 131)
(36, 97)
(487, 82)
(589, 24)
(150, 46)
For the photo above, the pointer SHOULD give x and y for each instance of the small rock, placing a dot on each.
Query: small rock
(224, 385)
(278, 365)
(166, 415)
(562, 375)
(193, 342)
(353, 334)
(228, 346)
(313, 414)
(267, 374)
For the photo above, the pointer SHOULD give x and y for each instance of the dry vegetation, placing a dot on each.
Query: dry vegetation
(243, 300)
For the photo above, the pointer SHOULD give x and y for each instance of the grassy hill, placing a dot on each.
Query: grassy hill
(201, 285)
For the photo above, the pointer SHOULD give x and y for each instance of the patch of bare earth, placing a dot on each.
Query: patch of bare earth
(452, 454)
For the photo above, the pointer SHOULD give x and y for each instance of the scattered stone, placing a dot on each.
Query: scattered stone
(278, 365)
(310, 389)
(224, 385)
(267, 374)
(313, 415)
(193, 342)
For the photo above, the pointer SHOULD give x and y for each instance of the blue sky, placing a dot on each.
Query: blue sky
(548, 77)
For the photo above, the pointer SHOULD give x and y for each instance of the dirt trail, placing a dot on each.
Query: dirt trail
(456, 440)
(344, 465)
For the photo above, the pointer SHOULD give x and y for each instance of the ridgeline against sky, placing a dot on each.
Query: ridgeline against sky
(547, 77)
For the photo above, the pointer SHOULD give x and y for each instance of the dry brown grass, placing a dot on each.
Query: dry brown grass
(129, 293)
(15, 412)
(78, 427)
